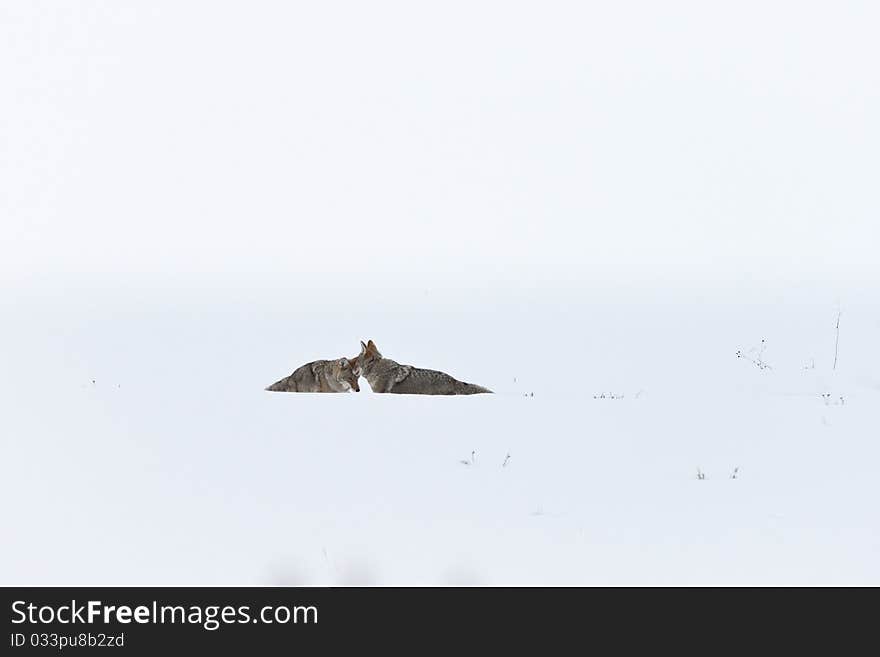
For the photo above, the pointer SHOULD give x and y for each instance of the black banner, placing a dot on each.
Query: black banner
(275, 619)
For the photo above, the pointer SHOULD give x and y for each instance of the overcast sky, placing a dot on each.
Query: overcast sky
(638, 139)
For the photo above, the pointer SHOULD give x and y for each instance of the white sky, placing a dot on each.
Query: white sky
(641, 139)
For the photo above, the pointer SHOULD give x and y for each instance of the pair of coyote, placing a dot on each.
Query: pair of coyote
(383, 375)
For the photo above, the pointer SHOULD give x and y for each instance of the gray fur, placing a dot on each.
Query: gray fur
(385, 375)
(320, 376)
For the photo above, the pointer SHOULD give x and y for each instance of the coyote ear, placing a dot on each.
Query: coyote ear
(363, 347)
(371, 345)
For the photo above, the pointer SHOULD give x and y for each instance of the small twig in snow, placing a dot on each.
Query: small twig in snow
(758, 359)
(836, 338)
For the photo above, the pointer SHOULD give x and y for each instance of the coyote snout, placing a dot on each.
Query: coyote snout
(347, 372)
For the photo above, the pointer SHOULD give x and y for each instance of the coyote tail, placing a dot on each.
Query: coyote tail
(280, 386)
(471, 389)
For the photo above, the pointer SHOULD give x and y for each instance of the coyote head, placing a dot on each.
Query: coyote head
(356, 366)
(346, 374)
(369, 355)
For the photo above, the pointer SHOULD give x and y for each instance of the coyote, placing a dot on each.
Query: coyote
(385, 375)
(340, 375)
